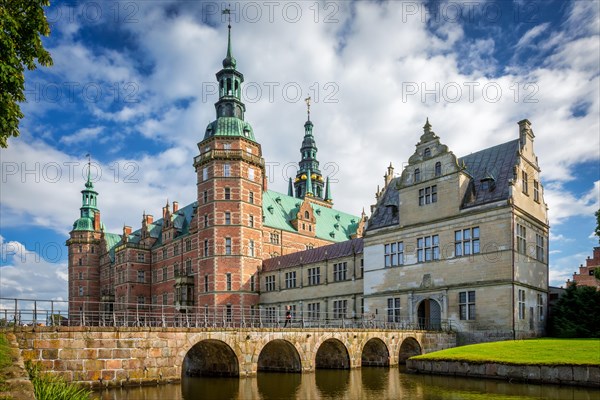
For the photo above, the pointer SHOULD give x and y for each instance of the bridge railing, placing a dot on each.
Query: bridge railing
(29, 312)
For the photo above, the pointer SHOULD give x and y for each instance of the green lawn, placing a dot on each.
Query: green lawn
(5, 361)
(532, 351)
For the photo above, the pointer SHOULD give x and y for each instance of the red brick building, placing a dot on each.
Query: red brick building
(207, 254)
(586, 276)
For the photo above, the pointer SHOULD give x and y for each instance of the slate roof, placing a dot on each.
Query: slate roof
(386, 212)
(495, 162)
(279, 210)
(332, 251)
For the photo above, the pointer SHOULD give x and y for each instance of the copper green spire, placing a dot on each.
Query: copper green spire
(290, 188)
(229, 61)
(89, 204)
(309, 164)
(309, 191)
(327, 192)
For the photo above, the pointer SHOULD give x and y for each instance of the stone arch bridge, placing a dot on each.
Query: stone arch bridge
(110, 356)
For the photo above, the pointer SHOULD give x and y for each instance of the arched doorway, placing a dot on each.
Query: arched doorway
(375, 354)
(210, 358)
(332, 354)
(409, 347)
(279, 356)
(430, 315)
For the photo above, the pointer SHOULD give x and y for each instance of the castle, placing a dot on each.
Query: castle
(450, 239)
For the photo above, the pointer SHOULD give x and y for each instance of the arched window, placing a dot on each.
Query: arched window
(427, 153)
(417, 175)
(438, 168)
(306, 215)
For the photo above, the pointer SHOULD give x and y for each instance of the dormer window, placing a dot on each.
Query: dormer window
(417, 175)
(306, 215)
(438, 168)
(426, 153)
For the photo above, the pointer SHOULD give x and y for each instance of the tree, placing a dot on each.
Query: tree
(21, 24)
(576, 313)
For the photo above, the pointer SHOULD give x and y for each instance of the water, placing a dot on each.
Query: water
(366, 383)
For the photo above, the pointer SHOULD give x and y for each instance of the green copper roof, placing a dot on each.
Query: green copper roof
(112, 240)
(229, 126)
(84, 224)
(279, 210)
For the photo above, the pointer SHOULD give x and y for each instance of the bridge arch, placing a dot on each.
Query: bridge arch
(375, 353)
(279, 356)
(332, 354)
(409, 347)
(210, 357)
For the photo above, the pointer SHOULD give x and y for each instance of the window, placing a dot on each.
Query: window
(271, 314)
(165, 273)
(81, 290)
(79, 249)
(521, 304)
(227, 194)
(251, 248)
(393, 309)
(81, 275)
(269, 283)
(339, 308)
(251, 221)
(206, 283)
(188, 267)
(228, 278)
(228, 313)
(226, 170)
(339, 271)
(141, 276)
(540, 307)
(539, 248)
(188, 245)
(226, 146)
(206, 220)
(524, 182)
(141, 300)
(466, 305)
(417, 175)
(290, 280)
(394, 254)
(428, 195)
(175, 250)
(428, 248)
(164, 253)
(251, 197)
(205, 196)
(521, 239)
(252, 284)
(205, 173)
(438, 168)
(228, 246)
(206, 248)
(536, 191)
(275, 238)
(306, 215)
(80, 262)
(165, 299)
(314, 276)
(314, 309)
(251, 174)
(466, 242)
(154, 299)
(426, 152)
(227, 218)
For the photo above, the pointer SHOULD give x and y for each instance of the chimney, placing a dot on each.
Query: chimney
(175, 207)
(525, 132)
(97, 221)
(165, 212)
(149, 219)
(126, 230)
(265, 179)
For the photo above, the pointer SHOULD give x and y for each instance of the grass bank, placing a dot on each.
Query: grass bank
(5, 362)
(51, 387)
(526, 352)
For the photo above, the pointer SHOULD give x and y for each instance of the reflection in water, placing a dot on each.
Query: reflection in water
(275, 385)
(369, 383)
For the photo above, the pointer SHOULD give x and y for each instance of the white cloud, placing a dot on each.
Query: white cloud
(564, 204)
(82, 135)
(532, 34)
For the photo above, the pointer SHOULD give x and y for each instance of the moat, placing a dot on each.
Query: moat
(369, 383)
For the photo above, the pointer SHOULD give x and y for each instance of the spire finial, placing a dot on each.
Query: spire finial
(88, 183)
(427, 127)
(307, 101)
(229, 61)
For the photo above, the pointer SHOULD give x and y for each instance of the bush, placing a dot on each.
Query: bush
(51, 387)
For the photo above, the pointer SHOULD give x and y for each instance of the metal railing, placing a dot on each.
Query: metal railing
(28, 312)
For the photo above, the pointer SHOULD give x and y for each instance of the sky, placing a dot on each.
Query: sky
(133, 84)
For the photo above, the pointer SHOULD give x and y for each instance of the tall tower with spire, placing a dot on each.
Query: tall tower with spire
(83, 248)
(230, 174)
(309, 181)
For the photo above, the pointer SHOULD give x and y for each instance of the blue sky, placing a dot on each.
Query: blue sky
(133, 84)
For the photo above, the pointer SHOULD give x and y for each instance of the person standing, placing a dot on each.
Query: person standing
(288, 316)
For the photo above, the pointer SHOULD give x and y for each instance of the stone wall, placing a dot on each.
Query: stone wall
(561, 374)
(134, 356)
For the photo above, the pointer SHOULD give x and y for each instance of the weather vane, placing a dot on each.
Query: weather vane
(228, 12)
(307, 101)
